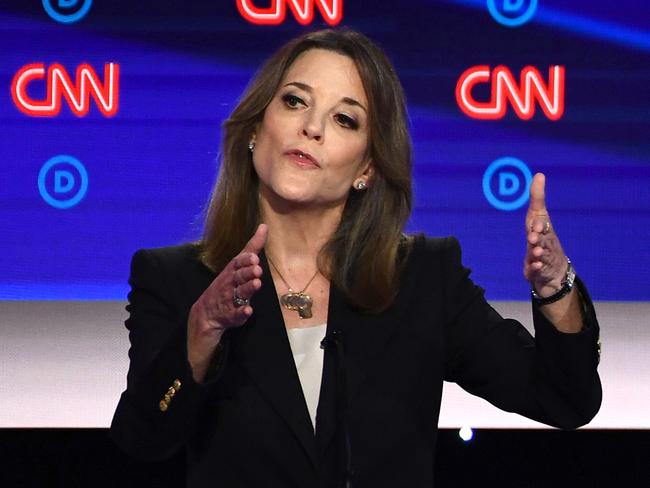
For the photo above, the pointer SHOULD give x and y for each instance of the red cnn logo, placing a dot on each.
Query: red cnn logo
(59, 87)
(303, 11)
(504, 88)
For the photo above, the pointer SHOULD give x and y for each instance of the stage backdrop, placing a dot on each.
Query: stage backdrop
(111, 115)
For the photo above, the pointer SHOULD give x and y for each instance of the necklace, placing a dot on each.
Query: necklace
(298, 301)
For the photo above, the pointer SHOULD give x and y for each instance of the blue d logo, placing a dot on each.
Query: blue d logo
(506, 183)
(512, 13)
(67, 11)
(57, 179)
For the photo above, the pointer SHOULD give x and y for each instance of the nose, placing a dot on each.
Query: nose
(313, 127)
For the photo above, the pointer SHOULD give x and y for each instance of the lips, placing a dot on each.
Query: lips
(302, 158)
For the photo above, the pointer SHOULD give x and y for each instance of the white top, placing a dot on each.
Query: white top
(308, 356)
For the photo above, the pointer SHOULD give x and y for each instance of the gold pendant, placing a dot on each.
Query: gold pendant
(300, 302)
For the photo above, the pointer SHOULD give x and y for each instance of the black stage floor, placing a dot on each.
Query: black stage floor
(501, 458)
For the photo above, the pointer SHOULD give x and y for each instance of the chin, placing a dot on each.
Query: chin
(300, 192)
(292, 187)
(289, 194)
(296, 197)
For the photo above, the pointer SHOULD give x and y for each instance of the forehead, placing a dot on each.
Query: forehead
(327, 71)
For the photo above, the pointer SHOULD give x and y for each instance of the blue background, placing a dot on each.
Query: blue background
(151, 167)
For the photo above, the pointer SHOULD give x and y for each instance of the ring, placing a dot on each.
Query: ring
(237, 300)
(547, 227)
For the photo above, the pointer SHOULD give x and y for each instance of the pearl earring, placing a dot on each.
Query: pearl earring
(251, 145)
(361, 185)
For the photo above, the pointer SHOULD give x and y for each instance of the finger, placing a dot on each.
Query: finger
(247, 273)
(537, 252)
(245, 259)
(533, 238)
(248, 289)
(537, 239)
(534, 264)
(539, 258)
(540, 224)
(539, 231)
(537, 194)
(257, 242)
(238, 302)
(242, 314)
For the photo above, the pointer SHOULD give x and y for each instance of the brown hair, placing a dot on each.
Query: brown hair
(364, 257)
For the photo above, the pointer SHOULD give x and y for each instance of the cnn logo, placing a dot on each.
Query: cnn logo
(59, 88)
(504, 89)
(303, 11)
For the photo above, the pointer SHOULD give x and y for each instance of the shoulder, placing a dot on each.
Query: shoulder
(171, 257)
(173, 263)
(436, 258)
(171, 254)
(432, 259)
(434, 248)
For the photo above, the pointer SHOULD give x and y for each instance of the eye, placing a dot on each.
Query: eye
(347, 121)
(292, 101)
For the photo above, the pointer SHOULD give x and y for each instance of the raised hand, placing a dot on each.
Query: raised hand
(224, 304)
(545, 264)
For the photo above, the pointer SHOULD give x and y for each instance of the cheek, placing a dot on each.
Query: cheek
(267, 142)
(350, 157)
(267, 129)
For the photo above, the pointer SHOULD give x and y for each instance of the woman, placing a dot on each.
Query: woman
(313, 353)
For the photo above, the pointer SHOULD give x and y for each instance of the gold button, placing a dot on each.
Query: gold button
(171, 391)
(163, 406)
(177, 384)
(167, 398)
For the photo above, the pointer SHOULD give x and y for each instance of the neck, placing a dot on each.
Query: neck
(297, 234)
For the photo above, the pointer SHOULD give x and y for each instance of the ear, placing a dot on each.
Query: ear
(368, 171)
(254, 130)
(364, 178)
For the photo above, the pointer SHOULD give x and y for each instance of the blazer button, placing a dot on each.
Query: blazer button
(177, 384)
(163, 406)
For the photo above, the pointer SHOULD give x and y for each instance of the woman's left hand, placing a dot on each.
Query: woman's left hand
(545, 264)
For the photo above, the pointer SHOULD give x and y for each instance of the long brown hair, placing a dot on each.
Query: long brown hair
(364, 257)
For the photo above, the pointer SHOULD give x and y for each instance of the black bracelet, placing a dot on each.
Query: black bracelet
(567, 286)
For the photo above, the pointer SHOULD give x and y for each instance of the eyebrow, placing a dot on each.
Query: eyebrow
(309, 89)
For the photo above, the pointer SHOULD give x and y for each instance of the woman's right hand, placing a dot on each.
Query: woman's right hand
(216, 311)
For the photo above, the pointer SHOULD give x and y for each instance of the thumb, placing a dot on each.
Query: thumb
(537, 193)
(257, 242)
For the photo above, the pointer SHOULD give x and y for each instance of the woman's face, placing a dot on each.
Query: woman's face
(311, 144)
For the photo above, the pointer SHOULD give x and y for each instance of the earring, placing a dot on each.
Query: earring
(251, 145)
(360, 185)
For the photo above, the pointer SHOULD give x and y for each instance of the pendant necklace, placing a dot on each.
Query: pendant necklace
(298, 301)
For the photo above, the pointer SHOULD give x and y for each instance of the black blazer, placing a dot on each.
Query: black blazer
(248, 424)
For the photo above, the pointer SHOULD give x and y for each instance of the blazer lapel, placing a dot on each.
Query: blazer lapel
(363, 337)
(265, 353)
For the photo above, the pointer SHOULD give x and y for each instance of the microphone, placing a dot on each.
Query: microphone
(333, 340)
